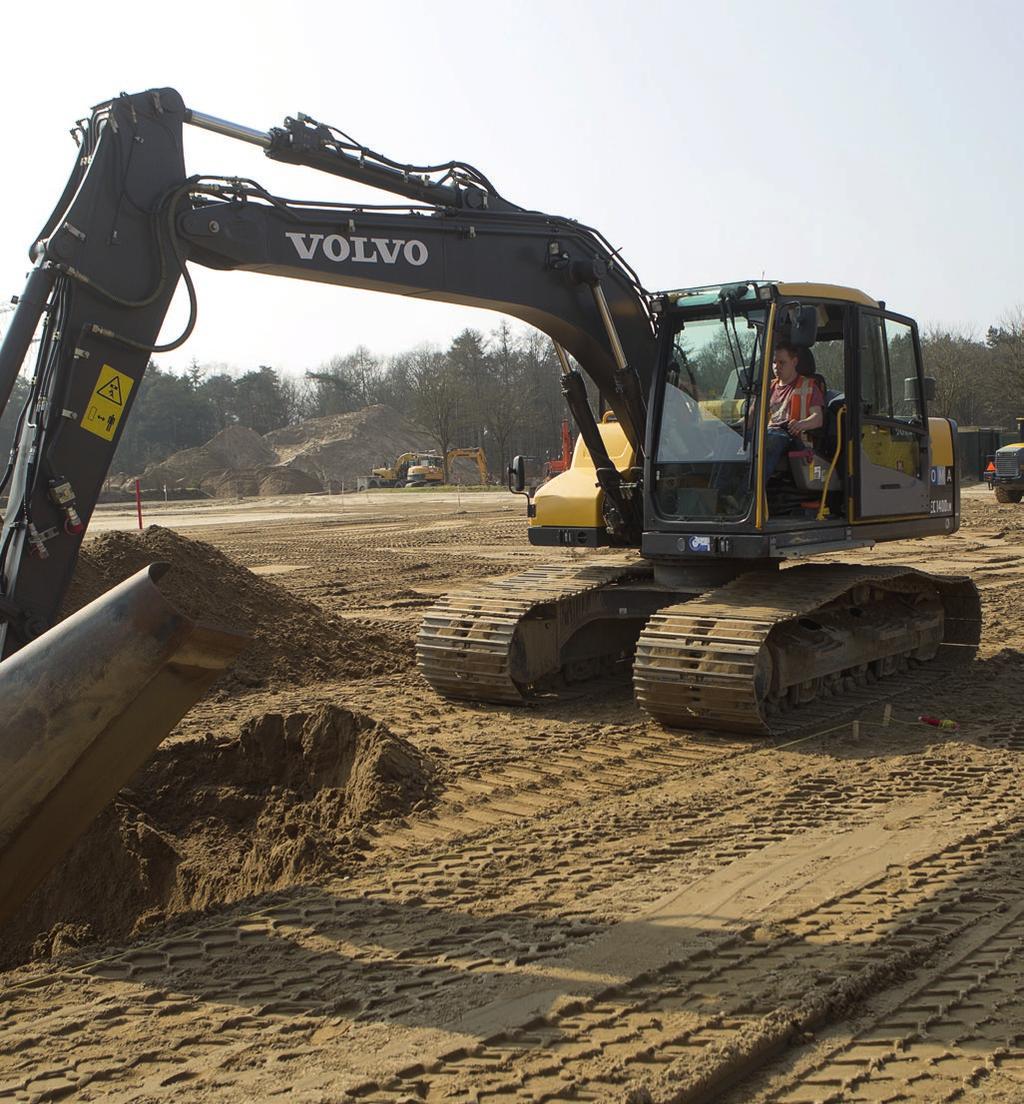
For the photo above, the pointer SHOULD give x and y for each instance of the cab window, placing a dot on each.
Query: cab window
(899, 340)
(875, 385)
(889, 382)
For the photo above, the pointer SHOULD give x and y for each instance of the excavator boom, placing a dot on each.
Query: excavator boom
(106, 266)
(115, 248)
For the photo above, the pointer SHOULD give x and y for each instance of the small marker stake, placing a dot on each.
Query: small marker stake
(886, 716)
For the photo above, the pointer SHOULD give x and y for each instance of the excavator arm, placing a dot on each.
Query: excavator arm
(84, 704)
(112, 254)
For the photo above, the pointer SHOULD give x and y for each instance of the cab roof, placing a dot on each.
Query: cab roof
(826, 291)
(708, 294)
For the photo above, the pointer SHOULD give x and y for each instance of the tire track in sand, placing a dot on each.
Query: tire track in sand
(240, 996)
(685, 1031)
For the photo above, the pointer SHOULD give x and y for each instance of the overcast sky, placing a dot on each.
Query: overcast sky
(870, 144)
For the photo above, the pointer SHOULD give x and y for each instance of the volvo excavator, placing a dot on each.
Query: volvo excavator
(668, 475)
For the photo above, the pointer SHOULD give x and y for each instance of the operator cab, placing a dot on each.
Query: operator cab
(707, 429)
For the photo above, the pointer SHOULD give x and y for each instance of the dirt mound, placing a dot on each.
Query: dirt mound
(232, 483)
(299, 459)
(463, 472)
(251, 482)
(343, 447)
(234, 447)
(208, 822)
(293, 641)
(282, 479)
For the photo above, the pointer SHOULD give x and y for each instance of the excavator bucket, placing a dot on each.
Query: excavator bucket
(84, 706)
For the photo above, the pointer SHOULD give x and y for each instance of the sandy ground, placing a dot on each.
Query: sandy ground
(586, 906)
(294, 508)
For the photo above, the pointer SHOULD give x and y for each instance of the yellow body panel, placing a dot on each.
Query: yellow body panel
(1012, 448)
(427, 472)
(826, 291)
(573, 499)
(725, 410)
(880, 448)
(940, 435)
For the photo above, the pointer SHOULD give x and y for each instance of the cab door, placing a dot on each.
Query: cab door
(890, 438)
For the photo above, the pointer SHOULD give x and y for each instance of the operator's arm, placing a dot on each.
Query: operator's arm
(812, 421)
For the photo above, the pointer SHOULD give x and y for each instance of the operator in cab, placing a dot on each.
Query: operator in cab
(796, 403)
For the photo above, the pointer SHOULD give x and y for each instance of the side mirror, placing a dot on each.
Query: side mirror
(803, 326)
(910, 389)
(517, 475)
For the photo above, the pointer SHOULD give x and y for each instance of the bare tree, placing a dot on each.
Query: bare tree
(507, 393)
(964, 377)
(438, 393)
(1006, 341)
(540, 435)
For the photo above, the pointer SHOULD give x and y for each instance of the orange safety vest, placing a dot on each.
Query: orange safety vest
(792, 402)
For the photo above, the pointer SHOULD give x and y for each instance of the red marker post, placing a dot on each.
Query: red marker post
(138, 501)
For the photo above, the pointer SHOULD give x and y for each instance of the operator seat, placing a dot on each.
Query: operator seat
(809, 468)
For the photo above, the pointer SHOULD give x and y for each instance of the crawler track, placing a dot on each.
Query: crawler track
(470, 644)
(709, 662)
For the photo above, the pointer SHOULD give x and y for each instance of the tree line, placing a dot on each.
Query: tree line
(498, 390)
(979, 382)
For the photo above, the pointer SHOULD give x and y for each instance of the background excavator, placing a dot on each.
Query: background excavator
(432, 472)
(672, 473)
(397, 473)
(564, 459)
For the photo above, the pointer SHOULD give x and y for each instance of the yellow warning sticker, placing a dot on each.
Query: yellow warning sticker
(106, 404)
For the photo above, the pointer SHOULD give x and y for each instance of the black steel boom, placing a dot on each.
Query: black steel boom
(113, 251)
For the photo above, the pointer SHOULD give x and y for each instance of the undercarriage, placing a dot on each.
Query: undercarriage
(738, 655)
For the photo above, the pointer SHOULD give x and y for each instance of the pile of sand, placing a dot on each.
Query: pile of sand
(293, 641)
(315, 455)
(343, 448)
(265, 482)
(234, 447)
(208, 822)
(463, 472)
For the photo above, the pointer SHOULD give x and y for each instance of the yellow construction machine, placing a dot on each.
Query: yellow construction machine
(670, 471)
(1004, 473)
(397, 475)
(479, 458)
(429, 471)
(719, 636)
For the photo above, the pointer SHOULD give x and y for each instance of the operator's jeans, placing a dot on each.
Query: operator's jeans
(777, 443)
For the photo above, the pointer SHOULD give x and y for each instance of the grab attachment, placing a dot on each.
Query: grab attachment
(84, 706)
